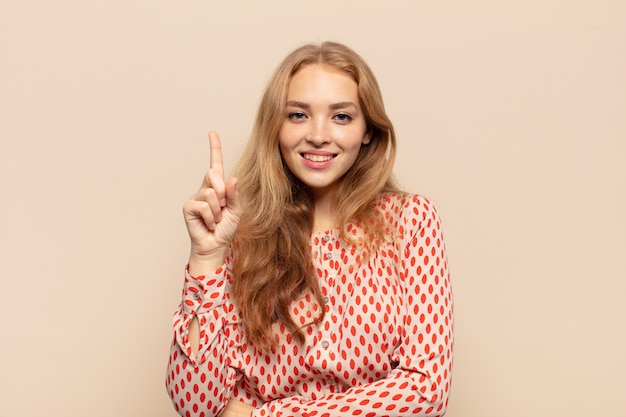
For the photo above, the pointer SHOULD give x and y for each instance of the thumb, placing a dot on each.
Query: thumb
(232, 196)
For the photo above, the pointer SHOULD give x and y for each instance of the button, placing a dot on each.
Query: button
(326, 238)
(325, 344)
(326, 300)
(196, 296)
(329, 255)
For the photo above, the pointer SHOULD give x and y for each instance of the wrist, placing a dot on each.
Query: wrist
(204, 263)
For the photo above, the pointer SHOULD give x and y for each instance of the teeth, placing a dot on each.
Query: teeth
(317, 158)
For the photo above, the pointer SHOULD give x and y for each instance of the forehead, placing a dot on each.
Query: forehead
(322, 82)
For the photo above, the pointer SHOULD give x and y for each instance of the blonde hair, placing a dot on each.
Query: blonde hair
(273, 263)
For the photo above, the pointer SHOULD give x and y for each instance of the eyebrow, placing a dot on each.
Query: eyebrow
(334, 106)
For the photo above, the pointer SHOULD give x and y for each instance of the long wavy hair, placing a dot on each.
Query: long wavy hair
(273, 263)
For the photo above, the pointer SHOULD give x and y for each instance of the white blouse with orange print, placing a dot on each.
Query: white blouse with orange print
(384, 347)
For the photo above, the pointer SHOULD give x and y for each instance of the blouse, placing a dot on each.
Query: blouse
(383, 347)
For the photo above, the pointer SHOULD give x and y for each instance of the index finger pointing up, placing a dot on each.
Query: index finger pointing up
(217, 162)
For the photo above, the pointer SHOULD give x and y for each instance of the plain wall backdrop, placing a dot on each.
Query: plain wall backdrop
(510, 117)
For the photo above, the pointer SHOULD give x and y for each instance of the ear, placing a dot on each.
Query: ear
(367, 137)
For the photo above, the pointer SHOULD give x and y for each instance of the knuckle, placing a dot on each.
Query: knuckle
(208, 194)
(187, 207)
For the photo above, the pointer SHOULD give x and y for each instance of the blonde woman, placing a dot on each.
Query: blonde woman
(315, 287)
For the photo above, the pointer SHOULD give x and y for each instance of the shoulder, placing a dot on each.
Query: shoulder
(405, 205)
(407, 212)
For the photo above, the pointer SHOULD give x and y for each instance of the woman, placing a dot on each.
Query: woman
(315, 287)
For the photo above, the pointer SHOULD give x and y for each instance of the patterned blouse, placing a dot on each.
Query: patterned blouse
(383, 348)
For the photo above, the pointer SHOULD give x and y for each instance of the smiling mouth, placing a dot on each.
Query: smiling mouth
(317, 158)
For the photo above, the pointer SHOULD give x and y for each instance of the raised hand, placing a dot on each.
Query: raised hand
(212, 214)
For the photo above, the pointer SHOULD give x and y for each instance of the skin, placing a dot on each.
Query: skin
(322, 134)
(319, 140)
(212, 215)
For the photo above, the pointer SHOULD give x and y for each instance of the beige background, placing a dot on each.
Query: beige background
(510, 115)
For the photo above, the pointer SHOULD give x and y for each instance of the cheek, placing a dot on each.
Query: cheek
(354, 135)
(282, 142)
(286, 154)
(355, 141)
(286, 138)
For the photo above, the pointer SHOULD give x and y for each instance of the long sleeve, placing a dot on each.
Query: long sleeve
(419, 382)
(201, 385)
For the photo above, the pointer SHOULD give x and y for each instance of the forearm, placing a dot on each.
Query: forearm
(198, 266)
(194, 335)
(193, 389)
(199, 378)
(401, 393)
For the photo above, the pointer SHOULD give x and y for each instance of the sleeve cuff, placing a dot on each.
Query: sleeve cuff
(202, 296)
(204, 293)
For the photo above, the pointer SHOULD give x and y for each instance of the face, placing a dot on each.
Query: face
(324, 126)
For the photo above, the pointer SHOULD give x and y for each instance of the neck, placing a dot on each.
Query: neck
(324, 216)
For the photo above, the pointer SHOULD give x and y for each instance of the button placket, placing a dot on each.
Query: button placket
(327, 252)
(327, 249)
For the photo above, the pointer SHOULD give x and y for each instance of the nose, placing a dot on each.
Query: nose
(318, 133)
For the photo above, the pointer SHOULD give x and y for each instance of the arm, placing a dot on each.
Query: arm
(198, 377)
(428, 340)
(419, 384)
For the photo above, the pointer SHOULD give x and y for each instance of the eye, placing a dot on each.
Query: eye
(343, 117)
(295, 116)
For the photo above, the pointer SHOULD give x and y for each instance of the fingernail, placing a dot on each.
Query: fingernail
(223, 202)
